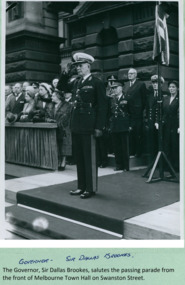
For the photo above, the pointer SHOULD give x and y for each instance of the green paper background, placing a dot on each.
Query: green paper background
(140, 258)
(171, 259)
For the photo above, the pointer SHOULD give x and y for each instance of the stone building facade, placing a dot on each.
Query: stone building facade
(118, 34)
(32, 43)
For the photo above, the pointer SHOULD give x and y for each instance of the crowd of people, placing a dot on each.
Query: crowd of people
(122, 116)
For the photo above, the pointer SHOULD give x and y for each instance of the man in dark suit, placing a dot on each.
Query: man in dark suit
(135, 92)
(152, 117)
(19, 103)
(87, 122)
(10, 99)
(119, 126)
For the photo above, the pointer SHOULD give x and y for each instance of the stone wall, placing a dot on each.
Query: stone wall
(122, 37)
(32, 45)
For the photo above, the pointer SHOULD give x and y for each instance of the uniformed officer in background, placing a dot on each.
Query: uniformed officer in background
(87, 122)
(110, 80)
(119, 126)
(152, 117)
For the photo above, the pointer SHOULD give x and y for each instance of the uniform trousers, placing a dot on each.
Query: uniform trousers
(101, 146)
(121, 149)
(136, 138)
(152, 143)
(85, 154)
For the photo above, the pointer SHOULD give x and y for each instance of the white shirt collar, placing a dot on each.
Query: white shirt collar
(132, 82)
(86, 76)
(17, 97)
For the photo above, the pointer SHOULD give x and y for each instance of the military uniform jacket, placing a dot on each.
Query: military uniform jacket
(151, 108)
(136, 95)
(89, 106)
(119, 115)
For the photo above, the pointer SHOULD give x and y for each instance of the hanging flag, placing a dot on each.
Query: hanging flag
(161, 41)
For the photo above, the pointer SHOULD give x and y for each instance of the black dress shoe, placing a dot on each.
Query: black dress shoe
(61, 168)
(86, 195)
(103, 165)
(76, 192)
(118, 168)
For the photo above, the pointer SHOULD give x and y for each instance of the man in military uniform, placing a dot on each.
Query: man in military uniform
(119, 126)
(151, 117)
(110, 80)
(135, 91)
(87, 122)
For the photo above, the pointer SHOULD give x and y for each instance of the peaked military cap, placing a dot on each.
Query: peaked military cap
(81, 57)
(155, 78)
(112, 78)
(117, 83)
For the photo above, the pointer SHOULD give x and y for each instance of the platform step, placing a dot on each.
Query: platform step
(163, 223)
(43, 225)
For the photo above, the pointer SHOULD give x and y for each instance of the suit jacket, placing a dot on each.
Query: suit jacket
(9, 103)
(119, 115)
(90, 106)
(19, 104)
(136, 96)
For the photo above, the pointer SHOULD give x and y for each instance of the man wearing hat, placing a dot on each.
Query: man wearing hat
(151, 117)
(110, 80)
(119, 126)
(135, 91)
(87, 122)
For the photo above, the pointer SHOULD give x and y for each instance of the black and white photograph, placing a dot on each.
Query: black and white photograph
(93, 120)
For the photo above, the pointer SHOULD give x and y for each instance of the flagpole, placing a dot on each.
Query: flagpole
(161, 156)
(160, 131)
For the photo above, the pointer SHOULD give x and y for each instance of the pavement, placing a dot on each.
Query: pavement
(163, 223)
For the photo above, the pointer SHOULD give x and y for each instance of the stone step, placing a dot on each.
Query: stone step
(35, 224)
(163, 223)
